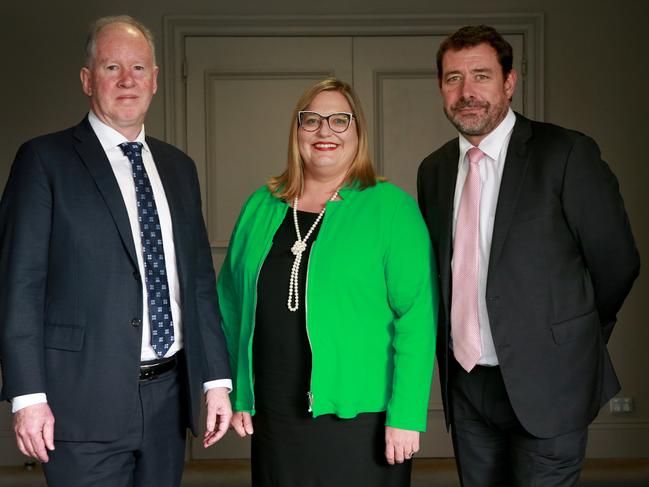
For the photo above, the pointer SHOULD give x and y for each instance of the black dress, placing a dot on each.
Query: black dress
(290, 448)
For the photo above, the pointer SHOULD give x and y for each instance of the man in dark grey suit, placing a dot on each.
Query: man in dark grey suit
(535, 256)
(108, 309)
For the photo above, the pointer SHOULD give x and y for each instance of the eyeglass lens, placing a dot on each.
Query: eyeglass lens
(338, 122)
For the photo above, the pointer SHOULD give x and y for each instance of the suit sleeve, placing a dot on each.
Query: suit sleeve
(25, 224)
(595, 213)
(412, 293)
(216, 358)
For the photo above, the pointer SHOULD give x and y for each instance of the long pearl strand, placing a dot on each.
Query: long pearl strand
(298, 247)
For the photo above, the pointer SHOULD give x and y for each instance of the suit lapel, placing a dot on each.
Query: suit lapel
(513, 174)
(168, 172)
(168, 168)
(94, 158)
(446, 194)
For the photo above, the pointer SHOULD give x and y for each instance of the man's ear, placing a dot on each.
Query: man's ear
(510, 83)
(156, 70)
(85, 76)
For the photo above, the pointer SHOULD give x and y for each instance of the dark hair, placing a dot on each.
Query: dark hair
(471, 36)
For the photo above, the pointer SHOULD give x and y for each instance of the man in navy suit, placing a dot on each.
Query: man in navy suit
(535, 258)
(109, 325)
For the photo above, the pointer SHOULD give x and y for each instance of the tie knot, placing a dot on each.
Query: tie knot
(475, 155)
(131, 150)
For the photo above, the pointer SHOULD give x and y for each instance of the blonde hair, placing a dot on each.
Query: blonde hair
(99, 24)
(361, 173)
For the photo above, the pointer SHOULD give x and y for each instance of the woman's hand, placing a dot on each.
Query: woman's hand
(242, 423)
(400, 444)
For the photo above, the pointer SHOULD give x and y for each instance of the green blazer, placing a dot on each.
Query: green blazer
(371, 303)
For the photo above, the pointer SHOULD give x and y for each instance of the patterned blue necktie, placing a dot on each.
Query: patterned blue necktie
(162, 330)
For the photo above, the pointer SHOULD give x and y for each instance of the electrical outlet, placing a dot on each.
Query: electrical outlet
(621, 405)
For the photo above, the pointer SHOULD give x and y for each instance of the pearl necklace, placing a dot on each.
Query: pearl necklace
(298, 247)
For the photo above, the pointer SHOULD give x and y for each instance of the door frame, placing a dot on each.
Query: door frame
(178, 27)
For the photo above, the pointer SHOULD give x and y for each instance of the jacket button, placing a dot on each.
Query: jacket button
(136, 322)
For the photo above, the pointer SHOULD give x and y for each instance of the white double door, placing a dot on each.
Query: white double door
(240, 95)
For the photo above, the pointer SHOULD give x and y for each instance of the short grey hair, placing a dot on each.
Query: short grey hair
(99, 24)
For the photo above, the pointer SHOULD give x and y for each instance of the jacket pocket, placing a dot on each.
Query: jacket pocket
(63, 337)
(574, 328)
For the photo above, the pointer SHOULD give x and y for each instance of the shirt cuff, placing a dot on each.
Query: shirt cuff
(20, 402)
(217, 383)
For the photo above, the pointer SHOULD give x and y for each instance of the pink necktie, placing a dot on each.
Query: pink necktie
(465, 327)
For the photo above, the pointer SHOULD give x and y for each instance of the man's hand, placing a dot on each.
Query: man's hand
(242, 424)
(219, 413)
(34, 428)
(400, 444)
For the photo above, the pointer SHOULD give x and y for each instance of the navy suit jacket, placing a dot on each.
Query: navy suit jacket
(70, 288)
(562, 261)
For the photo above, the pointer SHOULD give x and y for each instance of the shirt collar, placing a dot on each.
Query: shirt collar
(493, 143)
(109, 138)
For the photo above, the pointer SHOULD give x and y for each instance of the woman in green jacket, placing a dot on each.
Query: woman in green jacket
(329, 310)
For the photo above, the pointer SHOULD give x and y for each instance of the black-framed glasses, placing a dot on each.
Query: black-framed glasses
(312, 121)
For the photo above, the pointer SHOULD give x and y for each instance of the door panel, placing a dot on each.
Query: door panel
(240, 95)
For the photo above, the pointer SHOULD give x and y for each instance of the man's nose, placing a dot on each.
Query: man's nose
(126, 80)
(467, 89)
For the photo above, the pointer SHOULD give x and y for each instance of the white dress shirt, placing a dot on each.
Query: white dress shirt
(494, 147)
(110, 140)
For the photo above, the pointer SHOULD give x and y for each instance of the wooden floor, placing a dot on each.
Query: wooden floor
(426, 473)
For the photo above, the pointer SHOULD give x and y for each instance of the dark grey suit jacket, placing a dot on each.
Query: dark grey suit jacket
(562, 261)
(70, 288)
